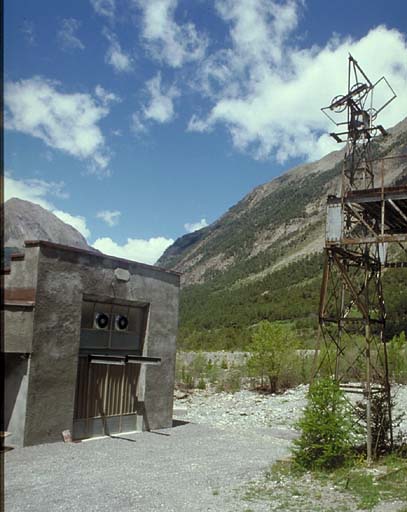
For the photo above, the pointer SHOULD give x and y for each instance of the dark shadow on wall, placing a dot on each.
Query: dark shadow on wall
(141, 410)
(15, 366)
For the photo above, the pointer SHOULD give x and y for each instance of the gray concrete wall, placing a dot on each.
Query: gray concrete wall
(64, 277)
(20, 287)
(23, 273)
(18, 332)
(18, 328)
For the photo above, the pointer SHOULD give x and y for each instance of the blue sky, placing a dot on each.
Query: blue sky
(139, 120)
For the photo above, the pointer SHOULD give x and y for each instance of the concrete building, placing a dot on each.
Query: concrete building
(89, 344)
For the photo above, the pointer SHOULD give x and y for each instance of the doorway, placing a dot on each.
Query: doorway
(106, 400)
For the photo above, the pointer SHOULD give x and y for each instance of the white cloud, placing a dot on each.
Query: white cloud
(256, 24)
(110, 217)
(267, 92)
(194, 226)
(37, 191)
(167, 40)
(198, 125)
(33, 190)
(106, 97)
(159, 107)
(104, 7)
(77, 221)
(137, 124)
(115, 56)
(67, 35)
(68, 122)
(144, 251)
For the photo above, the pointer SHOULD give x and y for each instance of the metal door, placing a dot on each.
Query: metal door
(106, 399)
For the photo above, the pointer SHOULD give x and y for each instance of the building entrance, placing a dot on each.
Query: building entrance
(111, 342)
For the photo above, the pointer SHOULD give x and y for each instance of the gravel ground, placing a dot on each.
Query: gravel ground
(187, 468)
(211, 461)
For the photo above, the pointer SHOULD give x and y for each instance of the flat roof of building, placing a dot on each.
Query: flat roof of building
(97, 254)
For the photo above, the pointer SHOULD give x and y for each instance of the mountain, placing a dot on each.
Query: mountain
(24, 220)
(283, 219)
(262, 258)
(269, 220)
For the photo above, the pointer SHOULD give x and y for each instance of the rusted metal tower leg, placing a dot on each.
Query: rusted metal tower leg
(368, 397)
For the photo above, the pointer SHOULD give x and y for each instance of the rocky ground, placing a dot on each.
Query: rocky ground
(247, 412)
(243, 410)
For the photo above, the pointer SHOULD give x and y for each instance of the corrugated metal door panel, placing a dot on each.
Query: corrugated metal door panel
(130, 388)
(81, 389)
(113, 395)
(97, 385)
(104, 392)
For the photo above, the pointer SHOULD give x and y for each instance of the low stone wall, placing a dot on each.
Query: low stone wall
(230, 358)
(218, 358)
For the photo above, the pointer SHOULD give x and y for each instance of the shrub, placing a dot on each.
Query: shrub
(230, 381)
(213, 373)
(198, 365)
(326, 428)
(273, 353)
(397, 353)
(201, 383)
(187, 380)
(224, 364)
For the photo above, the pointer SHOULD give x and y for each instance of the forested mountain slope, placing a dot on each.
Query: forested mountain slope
(262, 259)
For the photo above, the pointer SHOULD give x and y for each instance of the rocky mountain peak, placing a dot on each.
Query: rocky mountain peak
(24, 220)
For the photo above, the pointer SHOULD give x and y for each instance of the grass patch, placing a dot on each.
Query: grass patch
(286, 488)
(341, 490)
(383, 481)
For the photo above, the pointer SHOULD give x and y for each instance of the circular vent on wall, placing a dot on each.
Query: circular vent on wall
(121, 322)
(101, 321)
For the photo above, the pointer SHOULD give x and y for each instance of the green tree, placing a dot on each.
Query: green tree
(327, 428)
(272, 349)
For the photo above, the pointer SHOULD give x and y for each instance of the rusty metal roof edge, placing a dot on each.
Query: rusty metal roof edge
(17, 256)
(46, 243)
(19, 303)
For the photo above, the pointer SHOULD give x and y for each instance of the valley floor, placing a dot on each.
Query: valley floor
(246, 410)
(213, 459)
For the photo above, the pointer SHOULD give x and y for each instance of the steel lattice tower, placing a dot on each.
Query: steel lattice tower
(361, 222)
